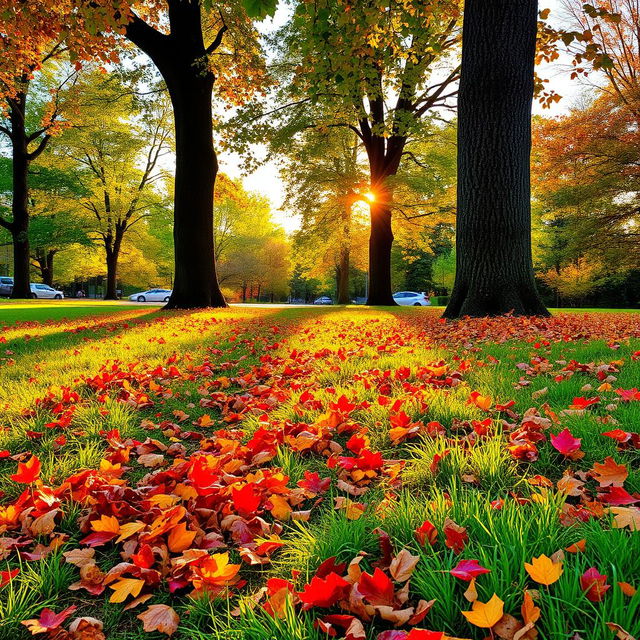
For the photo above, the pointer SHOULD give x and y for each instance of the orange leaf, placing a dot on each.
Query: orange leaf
(485, 614)
(543, 570)
(28, 471)
(627, 589)
(180, 538)
(577, 547)
(530, 613)
(609, 473)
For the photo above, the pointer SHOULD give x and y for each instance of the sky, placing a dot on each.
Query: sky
(266, 179)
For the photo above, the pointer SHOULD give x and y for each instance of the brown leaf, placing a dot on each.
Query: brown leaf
(621, 634)
(403, 565)
(160, 617)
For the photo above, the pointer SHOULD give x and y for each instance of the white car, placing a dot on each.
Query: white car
(323, 300)
(45, 291)
(411, 299)
(152, 295)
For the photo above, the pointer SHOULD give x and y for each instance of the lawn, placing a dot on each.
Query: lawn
(257, 473)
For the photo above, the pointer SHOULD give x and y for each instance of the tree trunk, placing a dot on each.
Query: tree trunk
(20, 202)
(45, 266)
(343, 276)
(112, 276)
(180, 58)
(380, 243)
(494, 271)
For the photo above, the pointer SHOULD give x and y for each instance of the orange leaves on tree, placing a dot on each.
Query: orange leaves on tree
(544, 570)
(28, 471)
(485, 614)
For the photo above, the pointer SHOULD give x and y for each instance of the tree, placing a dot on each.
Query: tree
(494, 271)
(185, 40)
(116, 149)
(375, 68)
(34, 113)
(324, 180)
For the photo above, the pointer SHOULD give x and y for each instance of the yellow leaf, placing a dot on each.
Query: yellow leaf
(127, 530)
(543, 570)
(108, 524)
(125, 587)
(485, 614)
(280, 507)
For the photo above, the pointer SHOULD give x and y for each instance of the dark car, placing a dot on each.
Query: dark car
(6, 286)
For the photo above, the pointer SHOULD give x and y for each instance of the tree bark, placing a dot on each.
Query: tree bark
(380, 243)
(45, 265)
(19, 227)
(180, 58)
(494, 271)
(112, 246)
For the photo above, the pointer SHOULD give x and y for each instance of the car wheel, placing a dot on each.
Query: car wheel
(166, 299)
(141, 299)
(58, 296)
(417, 304)
(34, 296)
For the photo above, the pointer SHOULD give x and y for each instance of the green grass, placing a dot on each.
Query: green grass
(338, 352)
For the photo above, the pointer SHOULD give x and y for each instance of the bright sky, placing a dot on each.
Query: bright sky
(266, 179)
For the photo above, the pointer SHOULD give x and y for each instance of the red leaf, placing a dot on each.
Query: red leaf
(28, 471)
(323, 592)
(426, 532)
(246, 500)
(468, 569)
(565, 443)
(594, 584)
(376, 588)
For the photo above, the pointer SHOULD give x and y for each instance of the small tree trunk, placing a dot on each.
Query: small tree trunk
(20, 202)
(112, 276)
(494, 271)
(380, 243)
(343, 275)
(244, 292)
(49, 268)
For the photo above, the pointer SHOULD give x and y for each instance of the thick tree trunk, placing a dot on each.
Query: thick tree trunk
(196, 282)
(112, 250)
(343, 275)
(494, 272)
(20, 202)
(181, 59)
(380, 243)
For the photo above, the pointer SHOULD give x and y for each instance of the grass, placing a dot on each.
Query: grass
(265, 361)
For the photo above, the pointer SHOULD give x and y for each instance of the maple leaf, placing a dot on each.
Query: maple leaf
(455, 536)
(618, 496)
(480, 401)
(426, 532)
(530, 613)
(28, 471)
(124, 587)
(48, 620)
(565, 443)
(180, 538)
(403, 565)
(313, 484)
(323, 592)
(377, 588)
(246, 500)
(215, 571)
(609, 472)
(160, 617)
(543, 570)
(594, 584)
(468, 569)
(7, 576)
(626, 517)
(485, 614)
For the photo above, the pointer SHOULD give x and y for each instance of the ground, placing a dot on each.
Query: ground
(212, 461)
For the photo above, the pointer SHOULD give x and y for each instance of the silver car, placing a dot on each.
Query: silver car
(45, 291)
(411, 299)
(152, 295)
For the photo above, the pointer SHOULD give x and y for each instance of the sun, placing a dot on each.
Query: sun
(370, 196)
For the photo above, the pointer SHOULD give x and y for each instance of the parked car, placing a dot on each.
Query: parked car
(323, 300)
(411, 299)
(152, 295)
(45, 291)
(6, 286)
